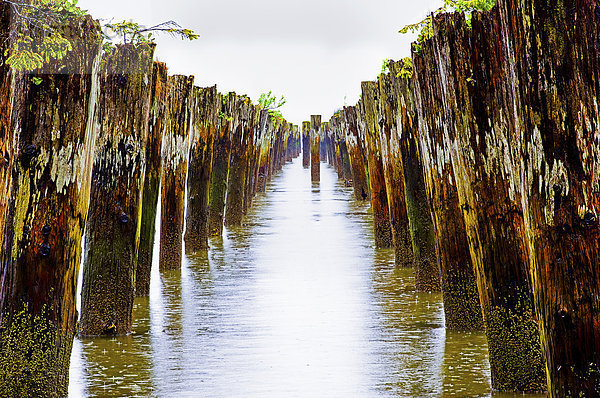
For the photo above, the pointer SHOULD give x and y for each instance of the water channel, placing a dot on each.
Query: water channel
(295, 303)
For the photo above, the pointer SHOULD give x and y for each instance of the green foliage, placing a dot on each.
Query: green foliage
(133, 32)
(407, 69)
(425, 27)
(385, 66)
(36, 36)
(223, 116)
(270, 102)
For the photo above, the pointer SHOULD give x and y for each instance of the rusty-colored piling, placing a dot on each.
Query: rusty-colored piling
(422, 231)
(306, 145)
(391, 157)
(238, 164)
(315, 148)
(175, 164)
(379, 200)
(220, 172)
(158, 99)
(205, 119)
(112, 231)
(355, 148)
(47, 211)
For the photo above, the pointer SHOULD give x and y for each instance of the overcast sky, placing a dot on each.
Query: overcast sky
(314, 52)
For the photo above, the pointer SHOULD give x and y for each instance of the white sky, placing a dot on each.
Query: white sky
(314, 52)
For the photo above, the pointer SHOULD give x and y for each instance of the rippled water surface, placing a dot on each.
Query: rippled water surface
(296, 303)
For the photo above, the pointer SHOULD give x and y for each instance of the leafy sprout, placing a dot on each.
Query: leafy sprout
(133, 32)
(425, 27)
(36, 35)
(269, 102)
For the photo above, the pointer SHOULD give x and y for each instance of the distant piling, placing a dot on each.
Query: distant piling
(315, 148)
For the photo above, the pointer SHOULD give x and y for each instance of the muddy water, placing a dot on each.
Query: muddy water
(296, 303)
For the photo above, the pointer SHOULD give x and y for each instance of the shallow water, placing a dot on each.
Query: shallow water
(296, 303)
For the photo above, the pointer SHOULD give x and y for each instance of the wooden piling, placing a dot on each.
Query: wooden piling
(494, 224)
(112, 231)
(205, 119)
(7, 138)
(306, 145)
(46, 215)
(175, 164)
(238, 164)
(355, 149)
(151, 179)
(553, 69)
(379, 200)
(220, 172)
(461, 298)
(315, 148)
(391, 157)
(422, 231)
(265, 147)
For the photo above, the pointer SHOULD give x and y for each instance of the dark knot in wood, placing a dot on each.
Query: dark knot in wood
(123, 218)
(44, 249)
(122, 81)
(589, 220)
(28, 153)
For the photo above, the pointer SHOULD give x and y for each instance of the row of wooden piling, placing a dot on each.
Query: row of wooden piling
(481, 159)
(107, 131)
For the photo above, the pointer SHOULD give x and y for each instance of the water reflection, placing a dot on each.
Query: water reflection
(295, 303)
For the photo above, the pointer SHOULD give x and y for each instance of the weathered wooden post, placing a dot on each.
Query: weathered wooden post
(379, 200)
(323, 144)
(461, 299)
(156, 126)
(315, 148)
(51, 174)
(346, 167)
(553, 66)
(265, 146)
(220, 172)
(422, 232)
(112, 231)
(391, 158)
(306, 145)
(7, 138)
(205, 119)
(355, 149)
(238, 164)
(253, 153)
(175, 164)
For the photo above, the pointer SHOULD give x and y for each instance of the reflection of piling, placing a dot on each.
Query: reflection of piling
(220, 171)
(205, 116)
(112, 231)
(175, 163)
(379, 201)
(315, 148)
(151, 179)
